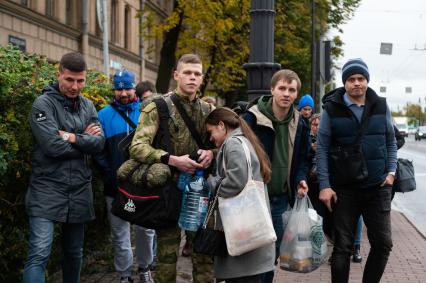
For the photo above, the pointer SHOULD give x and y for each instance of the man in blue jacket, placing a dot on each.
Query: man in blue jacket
(284, 135)
(124, 103)
(65, 131)
(347, 110)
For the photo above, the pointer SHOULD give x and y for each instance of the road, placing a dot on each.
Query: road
(413, 204)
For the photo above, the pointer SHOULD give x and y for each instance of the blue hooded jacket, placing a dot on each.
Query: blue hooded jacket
(115, 129)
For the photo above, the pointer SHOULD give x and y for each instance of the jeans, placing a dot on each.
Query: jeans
(374, 204)
(40, 244)
(120, 236)
(358, 232)
(278, 205)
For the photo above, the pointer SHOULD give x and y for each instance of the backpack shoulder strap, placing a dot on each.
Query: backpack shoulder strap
(164, 115)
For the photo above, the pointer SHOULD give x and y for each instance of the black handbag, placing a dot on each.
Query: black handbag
(209, 241)
(155, 208)
(404, 177)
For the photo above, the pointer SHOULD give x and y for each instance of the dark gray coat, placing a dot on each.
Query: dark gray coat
(234, 180)
(60, 183)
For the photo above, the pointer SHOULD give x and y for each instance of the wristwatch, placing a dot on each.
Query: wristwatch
(65, 136)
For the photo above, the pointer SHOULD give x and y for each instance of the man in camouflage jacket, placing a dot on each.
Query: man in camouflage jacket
(188, 76)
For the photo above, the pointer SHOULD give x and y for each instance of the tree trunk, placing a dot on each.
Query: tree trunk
(168, 54)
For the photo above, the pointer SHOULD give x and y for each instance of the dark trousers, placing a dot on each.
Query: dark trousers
(374, 204)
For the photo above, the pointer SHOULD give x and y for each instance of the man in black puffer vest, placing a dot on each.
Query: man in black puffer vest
(348, 110)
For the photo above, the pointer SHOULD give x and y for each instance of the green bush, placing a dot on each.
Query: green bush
(22, 78)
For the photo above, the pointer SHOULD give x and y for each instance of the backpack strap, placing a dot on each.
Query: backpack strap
(163, 130)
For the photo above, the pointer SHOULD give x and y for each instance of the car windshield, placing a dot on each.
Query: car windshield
(422, 129)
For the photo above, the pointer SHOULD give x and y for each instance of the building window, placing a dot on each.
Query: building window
(25, 3)
(114, 23)
(127, 27)
(50, 8)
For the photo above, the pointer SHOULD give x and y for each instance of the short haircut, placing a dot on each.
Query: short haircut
(189, 58)
(143, 87)
(286, 75)
(72, 61)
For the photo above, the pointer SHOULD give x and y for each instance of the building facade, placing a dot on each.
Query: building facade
(55, 27)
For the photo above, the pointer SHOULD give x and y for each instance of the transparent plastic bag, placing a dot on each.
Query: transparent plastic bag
(303, 247)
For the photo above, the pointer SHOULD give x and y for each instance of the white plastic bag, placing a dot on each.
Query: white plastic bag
(245, 218)
(303, 247)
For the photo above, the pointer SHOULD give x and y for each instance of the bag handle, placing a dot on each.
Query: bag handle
(211, 209)
(248, 158)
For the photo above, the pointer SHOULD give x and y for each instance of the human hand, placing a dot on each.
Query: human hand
(389, 180)
(93, 130)
(328, 197)
(302, 189)
(184, 163)
(206, 157)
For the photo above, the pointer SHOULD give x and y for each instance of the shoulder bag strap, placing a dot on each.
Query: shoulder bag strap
(125, 117)
(188, 122)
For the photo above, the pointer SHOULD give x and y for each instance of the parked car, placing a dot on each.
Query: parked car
(412, 130)
(421, 133)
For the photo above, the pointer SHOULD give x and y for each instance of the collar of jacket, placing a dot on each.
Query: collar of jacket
(336, 96)
(71, 104)
(185, 98)
(262, 120)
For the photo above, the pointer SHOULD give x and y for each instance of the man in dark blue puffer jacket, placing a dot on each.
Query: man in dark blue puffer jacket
(346, 109)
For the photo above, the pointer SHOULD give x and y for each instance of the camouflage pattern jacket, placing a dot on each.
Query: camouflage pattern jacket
(143, 148)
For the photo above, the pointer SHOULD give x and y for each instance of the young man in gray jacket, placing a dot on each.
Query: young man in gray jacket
(65, 130)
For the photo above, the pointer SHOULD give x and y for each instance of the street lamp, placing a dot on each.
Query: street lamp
(261, 66)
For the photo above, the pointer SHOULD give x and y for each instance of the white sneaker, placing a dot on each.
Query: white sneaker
(145, 277)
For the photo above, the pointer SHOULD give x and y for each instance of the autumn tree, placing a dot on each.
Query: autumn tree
(219, 31)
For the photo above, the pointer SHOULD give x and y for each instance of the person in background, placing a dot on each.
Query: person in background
(144, 90)
(345, 110)
(306, 106)
(210, 100)
(284, 135)
(116, 128)
(224, 126)
(65, 131)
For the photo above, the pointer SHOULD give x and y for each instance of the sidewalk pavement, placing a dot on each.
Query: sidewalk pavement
(407, 262)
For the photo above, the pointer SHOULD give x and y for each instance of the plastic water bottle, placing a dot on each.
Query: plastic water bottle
(183, 180)
(195, 202)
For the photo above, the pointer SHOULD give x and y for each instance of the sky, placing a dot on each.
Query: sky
(402, 23)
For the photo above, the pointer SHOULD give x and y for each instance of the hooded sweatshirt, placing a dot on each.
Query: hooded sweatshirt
(278, 183)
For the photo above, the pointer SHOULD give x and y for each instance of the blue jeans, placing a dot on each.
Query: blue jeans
(40, 245)
(120, 236)
(358, 232)
(278, 205)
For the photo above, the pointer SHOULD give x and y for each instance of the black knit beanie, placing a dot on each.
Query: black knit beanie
(355, 66)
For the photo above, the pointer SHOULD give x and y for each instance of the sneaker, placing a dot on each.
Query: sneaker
(187, 249)
(145, 277)
(356, 255)
(126, 279)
